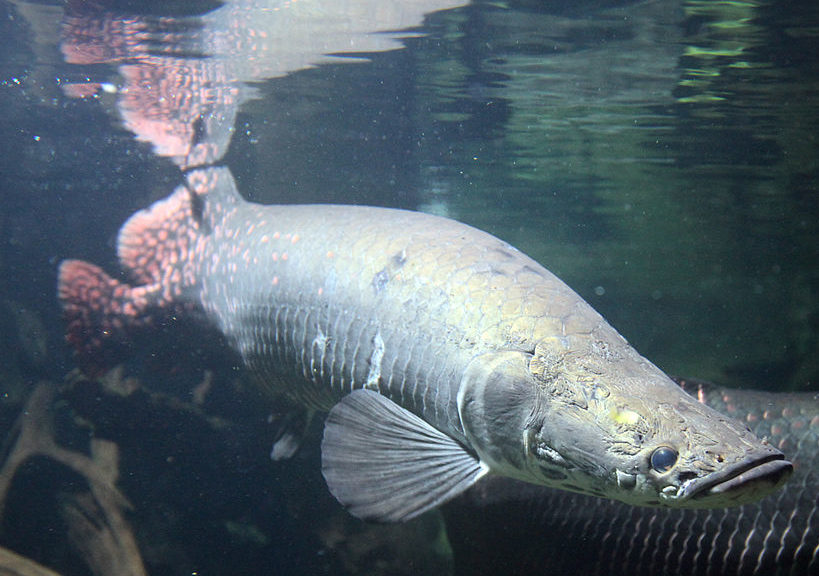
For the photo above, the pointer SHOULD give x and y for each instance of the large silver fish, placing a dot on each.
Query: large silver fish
(441, 352)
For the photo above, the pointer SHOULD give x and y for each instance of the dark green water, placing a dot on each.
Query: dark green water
(660, 158)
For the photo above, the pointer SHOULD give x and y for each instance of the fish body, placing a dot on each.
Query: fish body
(441, 353)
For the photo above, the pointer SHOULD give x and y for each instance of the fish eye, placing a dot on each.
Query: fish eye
(663, 459)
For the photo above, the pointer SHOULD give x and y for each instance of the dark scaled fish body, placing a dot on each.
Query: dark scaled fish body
(440, 352)
(777, 535)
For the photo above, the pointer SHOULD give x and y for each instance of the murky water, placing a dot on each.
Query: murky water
(660, 156)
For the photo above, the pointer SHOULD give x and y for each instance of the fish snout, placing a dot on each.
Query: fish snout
(745, 482)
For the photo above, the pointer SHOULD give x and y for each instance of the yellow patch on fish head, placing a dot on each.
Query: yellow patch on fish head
(624, 416)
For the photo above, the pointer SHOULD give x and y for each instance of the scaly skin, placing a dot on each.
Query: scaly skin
(493, 527)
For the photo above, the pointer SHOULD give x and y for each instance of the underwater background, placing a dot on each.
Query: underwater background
(660, 157)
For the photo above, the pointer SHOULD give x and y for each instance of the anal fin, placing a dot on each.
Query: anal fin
(385, 463)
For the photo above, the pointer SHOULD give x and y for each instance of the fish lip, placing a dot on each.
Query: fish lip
(745, 483)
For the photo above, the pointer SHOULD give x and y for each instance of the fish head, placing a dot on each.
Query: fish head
(651, 446)
(615, 427)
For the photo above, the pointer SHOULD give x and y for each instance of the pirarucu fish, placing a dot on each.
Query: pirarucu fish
(441, 353)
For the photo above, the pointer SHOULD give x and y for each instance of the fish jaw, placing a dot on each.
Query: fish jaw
(736, 485)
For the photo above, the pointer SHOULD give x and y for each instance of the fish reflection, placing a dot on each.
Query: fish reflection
(183, 78)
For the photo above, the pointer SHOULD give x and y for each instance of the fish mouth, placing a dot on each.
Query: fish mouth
(741, 484)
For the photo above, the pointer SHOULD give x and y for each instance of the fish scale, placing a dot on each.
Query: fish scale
(358, 270)
(778, 535)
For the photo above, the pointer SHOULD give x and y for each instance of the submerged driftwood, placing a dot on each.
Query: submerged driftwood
(12, 564)
(96, 524)
(192, 459)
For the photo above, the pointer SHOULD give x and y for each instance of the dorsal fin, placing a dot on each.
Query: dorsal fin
(158, 239)
(158, 244)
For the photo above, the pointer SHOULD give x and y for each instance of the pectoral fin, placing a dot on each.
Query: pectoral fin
(385, 463)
